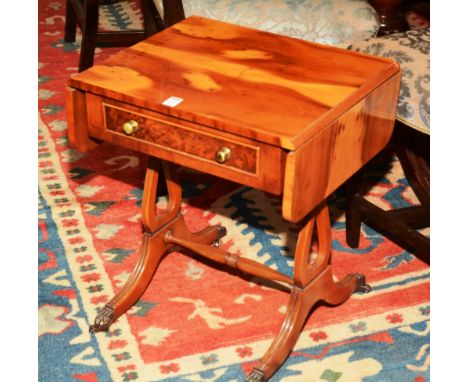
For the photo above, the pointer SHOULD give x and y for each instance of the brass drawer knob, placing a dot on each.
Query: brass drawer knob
(223, 154)
(130, 127)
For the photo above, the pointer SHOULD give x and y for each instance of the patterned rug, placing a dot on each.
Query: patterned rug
(89, 235)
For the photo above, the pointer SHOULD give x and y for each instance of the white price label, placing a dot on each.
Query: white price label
(172, 101)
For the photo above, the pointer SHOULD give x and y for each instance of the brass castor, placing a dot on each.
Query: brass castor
(362, 287)
(103, 320)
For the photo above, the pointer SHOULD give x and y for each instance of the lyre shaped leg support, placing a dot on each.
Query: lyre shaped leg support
(153, 245)
(313, 281)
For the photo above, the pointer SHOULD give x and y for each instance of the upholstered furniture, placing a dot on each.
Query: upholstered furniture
(87, 15)
(411, 50)
(410, 141)
(331, 22)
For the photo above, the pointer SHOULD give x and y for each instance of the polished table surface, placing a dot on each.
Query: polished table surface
(283, 115)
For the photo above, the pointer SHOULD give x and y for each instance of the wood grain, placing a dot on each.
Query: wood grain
(77, 121)
(182, 139)
(252, 163)
(258, 85)
(248, 266)
(300, 119)
(327, 160)
(330, 110)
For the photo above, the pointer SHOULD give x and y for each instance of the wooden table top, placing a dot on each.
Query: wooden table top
(274, 89)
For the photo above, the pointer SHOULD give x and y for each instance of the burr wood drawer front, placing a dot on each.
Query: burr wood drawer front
(199, 147)
(173, 136)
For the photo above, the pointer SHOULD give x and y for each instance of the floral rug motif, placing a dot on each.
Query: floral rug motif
(89, 235)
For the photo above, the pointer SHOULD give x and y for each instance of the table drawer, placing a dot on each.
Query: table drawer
(199, 147)
(181, 139)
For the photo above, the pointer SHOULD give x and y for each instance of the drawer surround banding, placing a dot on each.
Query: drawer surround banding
(252, 163)
(233, 145)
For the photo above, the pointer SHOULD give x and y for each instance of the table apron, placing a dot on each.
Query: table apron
(251, 163)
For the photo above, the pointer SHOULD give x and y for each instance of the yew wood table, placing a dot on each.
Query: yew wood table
(279, 114)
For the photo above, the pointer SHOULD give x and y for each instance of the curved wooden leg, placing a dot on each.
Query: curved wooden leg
(335, 293)
(209, 235)
(151, 251)
(154, 245)
(313, 282)
(300, 304)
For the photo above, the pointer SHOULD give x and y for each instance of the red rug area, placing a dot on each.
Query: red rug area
(196, 322)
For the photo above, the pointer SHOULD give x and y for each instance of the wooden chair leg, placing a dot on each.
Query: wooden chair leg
(173, 12)
(400, 225)
(396, 226)
(353, 216)
(412, 149)
(86, 14)
(70, 22)
(89, 32)
(152, 20)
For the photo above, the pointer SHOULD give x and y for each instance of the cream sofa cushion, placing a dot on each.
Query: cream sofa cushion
(332, 22)
(411, 50)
